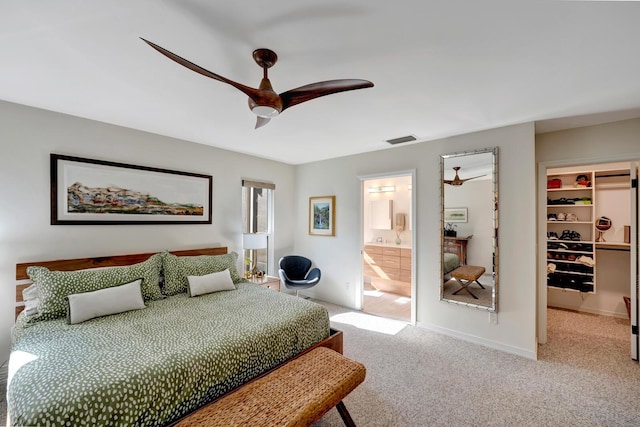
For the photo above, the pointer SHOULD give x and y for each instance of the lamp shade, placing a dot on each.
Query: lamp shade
(254, 241)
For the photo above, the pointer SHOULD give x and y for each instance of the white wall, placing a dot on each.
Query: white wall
(28, 135)
(340, 258)
(588, 145)
(477, 197)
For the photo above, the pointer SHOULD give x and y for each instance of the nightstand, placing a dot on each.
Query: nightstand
(269, 282)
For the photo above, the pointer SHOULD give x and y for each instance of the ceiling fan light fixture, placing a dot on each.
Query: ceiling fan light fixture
(265, 111)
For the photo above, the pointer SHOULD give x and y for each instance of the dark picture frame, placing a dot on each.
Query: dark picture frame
(90, 192)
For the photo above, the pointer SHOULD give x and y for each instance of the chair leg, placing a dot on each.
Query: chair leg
(464, 286)
(344, 414)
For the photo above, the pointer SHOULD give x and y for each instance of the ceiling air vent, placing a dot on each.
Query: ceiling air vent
(402, 139)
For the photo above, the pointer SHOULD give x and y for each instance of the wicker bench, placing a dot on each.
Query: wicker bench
(466, 275)
(296, 394)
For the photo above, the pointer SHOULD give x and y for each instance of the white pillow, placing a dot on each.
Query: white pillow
(117, 299)
(214, 282)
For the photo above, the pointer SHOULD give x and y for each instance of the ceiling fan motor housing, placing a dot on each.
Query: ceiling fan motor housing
(267, 104)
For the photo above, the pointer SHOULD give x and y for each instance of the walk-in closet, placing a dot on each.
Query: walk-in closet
(590, 211)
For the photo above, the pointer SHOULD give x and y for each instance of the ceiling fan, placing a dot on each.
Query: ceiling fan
(456, 181)
(264, 102)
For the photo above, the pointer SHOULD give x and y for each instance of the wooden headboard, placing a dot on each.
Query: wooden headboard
(104, 261)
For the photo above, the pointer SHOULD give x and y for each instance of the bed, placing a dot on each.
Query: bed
(154, 365)
(454, 255)
(449, 263)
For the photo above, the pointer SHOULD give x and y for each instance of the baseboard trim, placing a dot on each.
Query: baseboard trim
(480, 341)
(607, 313)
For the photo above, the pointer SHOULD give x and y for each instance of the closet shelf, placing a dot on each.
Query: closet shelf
(572, 289)
(573, 273)
(569, 251)
(587, 242)
(553, 190)
(569, 222)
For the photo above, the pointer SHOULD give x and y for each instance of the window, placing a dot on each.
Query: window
(257, 218)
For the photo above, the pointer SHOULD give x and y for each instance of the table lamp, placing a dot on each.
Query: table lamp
(253, 242)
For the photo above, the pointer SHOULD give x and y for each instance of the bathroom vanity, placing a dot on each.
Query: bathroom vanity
(388, 267)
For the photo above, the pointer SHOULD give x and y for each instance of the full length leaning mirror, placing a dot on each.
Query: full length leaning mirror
(469, 228)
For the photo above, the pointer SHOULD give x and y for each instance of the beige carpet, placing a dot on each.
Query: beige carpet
(483, 295)
(419, 378)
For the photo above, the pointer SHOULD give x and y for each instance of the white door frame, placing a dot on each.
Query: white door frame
(541, 323)
(413, 226)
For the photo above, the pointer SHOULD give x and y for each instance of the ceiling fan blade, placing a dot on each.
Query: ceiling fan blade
(315, 90)
(262, 121)
(249, 91)
(467, 179)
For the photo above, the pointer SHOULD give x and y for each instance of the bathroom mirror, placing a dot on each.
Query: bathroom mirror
(469, 228)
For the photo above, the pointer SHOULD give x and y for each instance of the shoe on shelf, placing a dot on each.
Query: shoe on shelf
(561, 216)
(575, 236)
(552, 235)
(566, 235)
(586, 260)
(551, 217)
(571, 217)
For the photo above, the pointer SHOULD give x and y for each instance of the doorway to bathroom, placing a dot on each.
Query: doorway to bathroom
(388, 273)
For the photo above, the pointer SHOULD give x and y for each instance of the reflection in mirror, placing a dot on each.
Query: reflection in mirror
(469, 228)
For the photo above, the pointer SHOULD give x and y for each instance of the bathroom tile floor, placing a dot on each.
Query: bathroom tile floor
(386, 304)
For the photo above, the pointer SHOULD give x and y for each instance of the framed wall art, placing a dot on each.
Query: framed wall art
(322, 216)
(88, 191)
(455, 214)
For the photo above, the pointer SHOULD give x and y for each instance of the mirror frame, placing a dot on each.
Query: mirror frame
(494, 294)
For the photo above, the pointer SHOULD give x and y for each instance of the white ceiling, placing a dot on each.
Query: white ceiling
(440, 68)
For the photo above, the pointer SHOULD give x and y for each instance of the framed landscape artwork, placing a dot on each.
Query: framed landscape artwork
(322, 216)
(88, 191)
(455, 214)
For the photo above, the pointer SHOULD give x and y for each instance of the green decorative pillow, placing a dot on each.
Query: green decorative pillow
(176, 269)
(55, 286)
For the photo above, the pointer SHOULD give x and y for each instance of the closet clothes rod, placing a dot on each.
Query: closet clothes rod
(611, 175)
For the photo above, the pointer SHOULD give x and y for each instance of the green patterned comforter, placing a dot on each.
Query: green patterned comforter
(451, 262)
(152, 366)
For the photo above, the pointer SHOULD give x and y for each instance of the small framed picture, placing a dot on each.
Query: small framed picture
(322, 216)
(455, 214)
